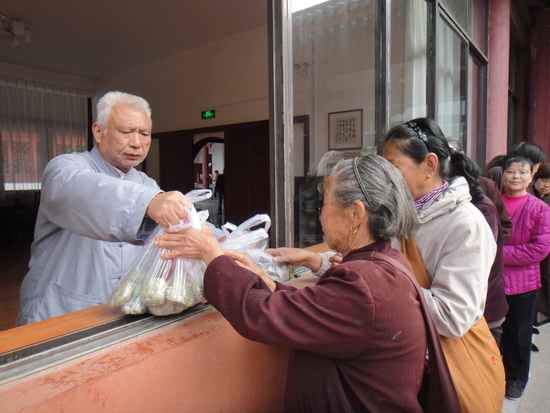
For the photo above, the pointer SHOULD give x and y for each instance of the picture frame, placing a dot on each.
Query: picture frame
(345, 129)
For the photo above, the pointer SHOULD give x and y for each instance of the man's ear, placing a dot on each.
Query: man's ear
(97, 131)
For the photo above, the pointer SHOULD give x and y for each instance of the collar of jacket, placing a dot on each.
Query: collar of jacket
(455, 195)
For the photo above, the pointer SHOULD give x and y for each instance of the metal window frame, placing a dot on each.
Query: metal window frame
(435, 10)
(281, 122)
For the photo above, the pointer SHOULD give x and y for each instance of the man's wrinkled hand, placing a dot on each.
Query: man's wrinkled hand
(168, 208)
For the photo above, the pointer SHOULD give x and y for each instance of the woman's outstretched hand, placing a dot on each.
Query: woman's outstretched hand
(296, 257)
(245, 261)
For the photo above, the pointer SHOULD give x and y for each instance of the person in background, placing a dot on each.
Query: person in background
(541, 183)
(541, 189)
(493, 192)
(523, 252)
(214, 179)
(527, 150)
(219, 190)
(95, 211)
(490, 189)
(496, 306)
(495, 161)
(359, 335)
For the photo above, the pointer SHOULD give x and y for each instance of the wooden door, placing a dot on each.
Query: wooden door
(247, 184)
(176, 162)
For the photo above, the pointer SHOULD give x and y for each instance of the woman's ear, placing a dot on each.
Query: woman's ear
(357, 212)
(432, 164)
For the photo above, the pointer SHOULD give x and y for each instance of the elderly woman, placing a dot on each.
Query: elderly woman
(456, 251)
(359, 335)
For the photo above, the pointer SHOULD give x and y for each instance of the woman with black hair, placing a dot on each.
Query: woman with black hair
(528, 245)
(528, 150)
(455, 250)
(496, 306)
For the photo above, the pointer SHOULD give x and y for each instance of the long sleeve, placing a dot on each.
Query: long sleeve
(89, 229)
(93, 204)
(458, 259)
(310, 319)
(530, 242)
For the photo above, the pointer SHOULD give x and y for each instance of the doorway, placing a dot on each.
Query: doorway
(246, 165)
(209, 165)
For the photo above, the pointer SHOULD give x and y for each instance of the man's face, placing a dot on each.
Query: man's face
(127, 139)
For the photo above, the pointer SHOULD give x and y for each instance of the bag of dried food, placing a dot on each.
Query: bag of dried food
(161, 286)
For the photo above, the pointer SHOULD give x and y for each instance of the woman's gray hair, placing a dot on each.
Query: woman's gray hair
(110, 99)
(382, 190)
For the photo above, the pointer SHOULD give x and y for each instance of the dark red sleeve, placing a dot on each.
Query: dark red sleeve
(329, 319)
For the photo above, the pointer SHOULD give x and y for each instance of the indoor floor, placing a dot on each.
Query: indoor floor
(15, 261)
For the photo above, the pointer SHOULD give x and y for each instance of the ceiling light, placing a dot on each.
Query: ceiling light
(14, 29)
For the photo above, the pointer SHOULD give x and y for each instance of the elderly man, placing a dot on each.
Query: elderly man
(95, 211)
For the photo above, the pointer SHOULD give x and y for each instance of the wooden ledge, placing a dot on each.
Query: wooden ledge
(44, 330)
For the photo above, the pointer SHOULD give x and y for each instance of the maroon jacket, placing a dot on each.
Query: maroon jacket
(358, 336)
(496, 305)
(492, 191)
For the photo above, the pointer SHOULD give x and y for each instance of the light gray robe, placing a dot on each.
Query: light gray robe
(90, 216)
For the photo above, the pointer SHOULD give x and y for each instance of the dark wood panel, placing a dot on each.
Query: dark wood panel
(247, 188)
(176, 163)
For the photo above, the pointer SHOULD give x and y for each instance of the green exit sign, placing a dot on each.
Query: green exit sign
(208, 114)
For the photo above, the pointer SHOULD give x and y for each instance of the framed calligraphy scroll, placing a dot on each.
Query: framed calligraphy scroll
(345, 130)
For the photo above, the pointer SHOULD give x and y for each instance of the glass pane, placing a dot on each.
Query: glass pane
(451, 103)
(333, 96)
(408, 60)
(473, 109)
(458, 10)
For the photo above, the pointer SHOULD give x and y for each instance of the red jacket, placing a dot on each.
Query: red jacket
(358, 336)
(527, 246)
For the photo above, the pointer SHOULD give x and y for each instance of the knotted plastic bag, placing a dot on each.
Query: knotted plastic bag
(163, 286)
(253, 242)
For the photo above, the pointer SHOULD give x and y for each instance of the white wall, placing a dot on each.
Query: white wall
(229, 75)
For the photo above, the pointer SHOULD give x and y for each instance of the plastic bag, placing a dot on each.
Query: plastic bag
(254, 242)
(162, 286)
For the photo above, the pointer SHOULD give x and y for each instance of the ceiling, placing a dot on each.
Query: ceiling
(96, 38)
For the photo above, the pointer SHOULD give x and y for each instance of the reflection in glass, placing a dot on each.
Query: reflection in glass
(451, 102)
(471, 144)
(459, 10)
(408, 60)
(333, 71)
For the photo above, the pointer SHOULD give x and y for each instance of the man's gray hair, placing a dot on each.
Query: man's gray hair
(110, 99)
(381, 188)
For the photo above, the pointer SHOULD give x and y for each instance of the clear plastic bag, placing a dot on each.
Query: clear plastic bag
(162, 286)
(253, 242)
